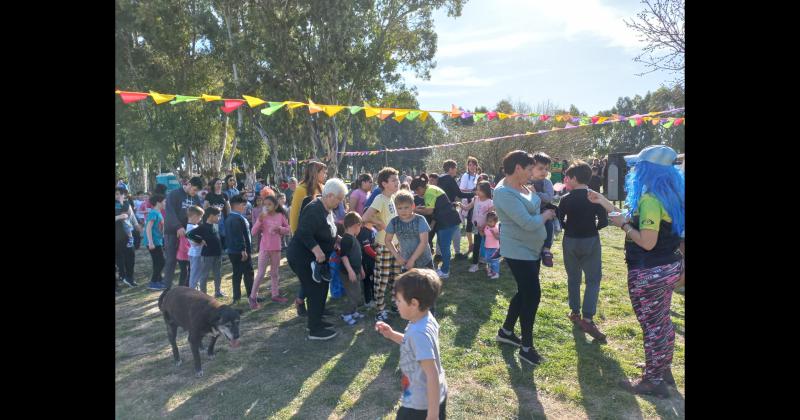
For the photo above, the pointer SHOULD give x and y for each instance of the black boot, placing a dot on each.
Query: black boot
(301, 308)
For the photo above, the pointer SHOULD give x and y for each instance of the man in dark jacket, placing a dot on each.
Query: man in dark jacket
(175, 222)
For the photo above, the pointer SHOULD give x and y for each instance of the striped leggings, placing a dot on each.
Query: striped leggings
(386, 270)
(651, 295)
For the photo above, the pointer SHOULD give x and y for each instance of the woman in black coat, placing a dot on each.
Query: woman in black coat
(311, 244)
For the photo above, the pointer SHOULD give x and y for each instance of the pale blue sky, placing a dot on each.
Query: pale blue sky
(568, 51)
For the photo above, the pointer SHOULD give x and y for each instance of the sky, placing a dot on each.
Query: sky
(567, 51)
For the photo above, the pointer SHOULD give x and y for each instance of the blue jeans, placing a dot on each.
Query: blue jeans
(494, 264)
(548, 241)
(445, 238)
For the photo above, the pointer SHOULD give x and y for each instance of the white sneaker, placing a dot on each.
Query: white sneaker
(473, 268)
(494, 276)
(442, 274)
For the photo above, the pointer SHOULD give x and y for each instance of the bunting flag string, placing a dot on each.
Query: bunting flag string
(398, 114)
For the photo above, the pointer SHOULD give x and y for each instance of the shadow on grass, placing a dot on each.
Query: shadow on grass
(523, 383)
(386, 382)
(598, 375)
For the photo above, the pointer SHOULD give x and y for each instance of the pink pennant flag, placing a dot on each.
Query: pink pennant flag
(544, 117)
(491, 115)
(678, 121)
(128, 97)
(594, 120)
(231, 105)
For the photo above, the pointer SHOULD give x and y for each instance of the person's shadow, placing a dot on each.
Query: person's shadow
(598, 376)
(524, 386)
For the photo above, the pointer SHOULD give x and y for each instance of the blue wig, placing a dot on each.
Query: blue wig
(664, 182)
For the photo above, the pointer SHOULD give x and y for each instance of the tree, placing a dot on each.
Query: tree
(661, 26)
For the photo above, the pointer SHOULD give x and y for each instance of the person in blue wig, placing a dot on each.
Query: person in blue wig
(654, 226)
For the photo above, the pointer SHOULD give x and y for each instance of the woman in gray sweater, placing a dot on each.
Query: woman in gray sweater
(522, 234)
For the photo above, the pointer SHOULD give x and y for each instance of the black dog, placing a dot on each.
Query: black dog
(199, 314)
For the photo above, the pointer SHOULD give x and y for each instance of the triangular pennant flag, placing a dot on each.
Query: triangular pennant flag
(638, 121)
(601, 120)
(465, 115)
(231, 105)
(423, 116)
(632, 122)
(273, 106)
(502, 116)
(655, 121)
(491, 115)
(385, 113)
(543, 117)
(294, 104)
(313, 108)
(585, 121)
(252, 101)
(399, 116)
(595, 119)
(478, 116)
(679, 121)
(371, 112)
(668, 124)
(455, 113)
(331, 110)
(160, 98)
(181, 98)
(355, 108)
(412, 115)
(209, 98)
(559, 118)
(128, 97)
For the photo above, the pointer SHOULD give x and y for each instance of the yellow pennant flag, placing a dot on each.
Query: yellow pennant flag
(253, 101)
(294, 104)
(399, 116)
(160, 98)
(331, 110)
(559, 118)
(423, 116)
(371, 112)
(313, 108)
(209, 98)
(502, 116)
(385, 113)
(601, 120)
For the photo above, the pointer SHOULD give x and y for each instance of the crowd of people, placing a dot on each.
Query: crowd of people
(380, 230)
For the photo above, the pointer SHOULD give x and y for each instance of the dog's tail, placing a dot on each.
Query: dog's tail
(161, 297)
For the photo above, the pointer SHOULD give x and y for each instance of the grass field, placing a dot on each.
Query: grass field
(278, 373)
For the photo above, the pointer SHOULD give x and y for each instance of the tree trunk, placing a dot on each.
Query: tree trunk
(129, 172)
(144, 174)
(239, 115)
(189, 162)
(221, 158)
(271, 143)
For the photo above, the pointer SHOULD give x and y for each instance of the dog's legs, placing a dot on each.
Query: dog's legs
(211, 346)
(194, 343)
(172, 333)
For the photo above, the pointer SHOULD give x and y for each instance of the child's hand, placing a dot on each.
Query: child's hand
(363, 274)
(151, 246)
(409, 264)
(400, 261)
(352, 276)
(244, 256)
(383, 328)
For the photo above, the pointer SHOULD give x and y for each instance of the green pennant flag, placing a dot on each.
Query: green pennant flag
(273, 106)
(412, 115)
(668, 124)
(632, 123)
(355, 108)
(180, 98)
(584, 121)
(478, 116)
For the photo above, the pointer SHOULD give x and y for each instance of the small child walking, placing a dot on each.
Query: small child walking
(351, 265)
(272, 225)
(194, 253)
(211, 250)
(154, 240)
(482, 205)
(424, 384)
(491, 234)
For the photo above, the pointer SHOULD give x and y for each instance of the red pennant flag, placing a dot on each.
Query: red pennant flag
(543, 117)
(128, 97)
(678, 121)
(594, 120)
(491, 115)
(231, 105)
(638, 121)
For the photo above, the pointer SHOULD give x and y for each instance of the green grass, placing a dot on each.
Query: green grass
(277, 373)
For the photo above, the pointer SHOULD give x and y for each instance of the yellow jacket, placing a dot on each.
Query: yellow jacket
(297, 200)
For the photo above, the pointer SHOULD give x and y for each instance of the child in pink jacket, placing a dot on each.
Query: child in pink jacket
(272, 225)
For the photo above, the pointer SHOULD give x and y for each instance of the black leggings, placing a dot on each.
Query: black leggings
(525, 302)
(476, 248)
(126, 259)
(240, 269)
(157, 254)
(183, 276)
(369, 269)
(405, 413)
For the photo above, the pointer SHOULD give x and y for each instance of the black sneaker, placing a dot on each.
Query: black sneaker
(260, 299)
(460, 256)
(301, 309)
(530, 356)
(508, 338)
(219, 295)
(322, 334)
(320, 272)
(324, 325)
(129, 283)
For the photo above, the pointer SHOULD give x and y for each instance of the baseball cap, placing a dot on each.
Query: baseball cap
(658, 154)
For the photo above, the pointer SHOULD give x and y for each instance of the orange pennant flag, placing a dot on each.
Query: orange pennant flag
(455, 113)
(423, 116)
(385, 113)
(313, 108)
(601, 120)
